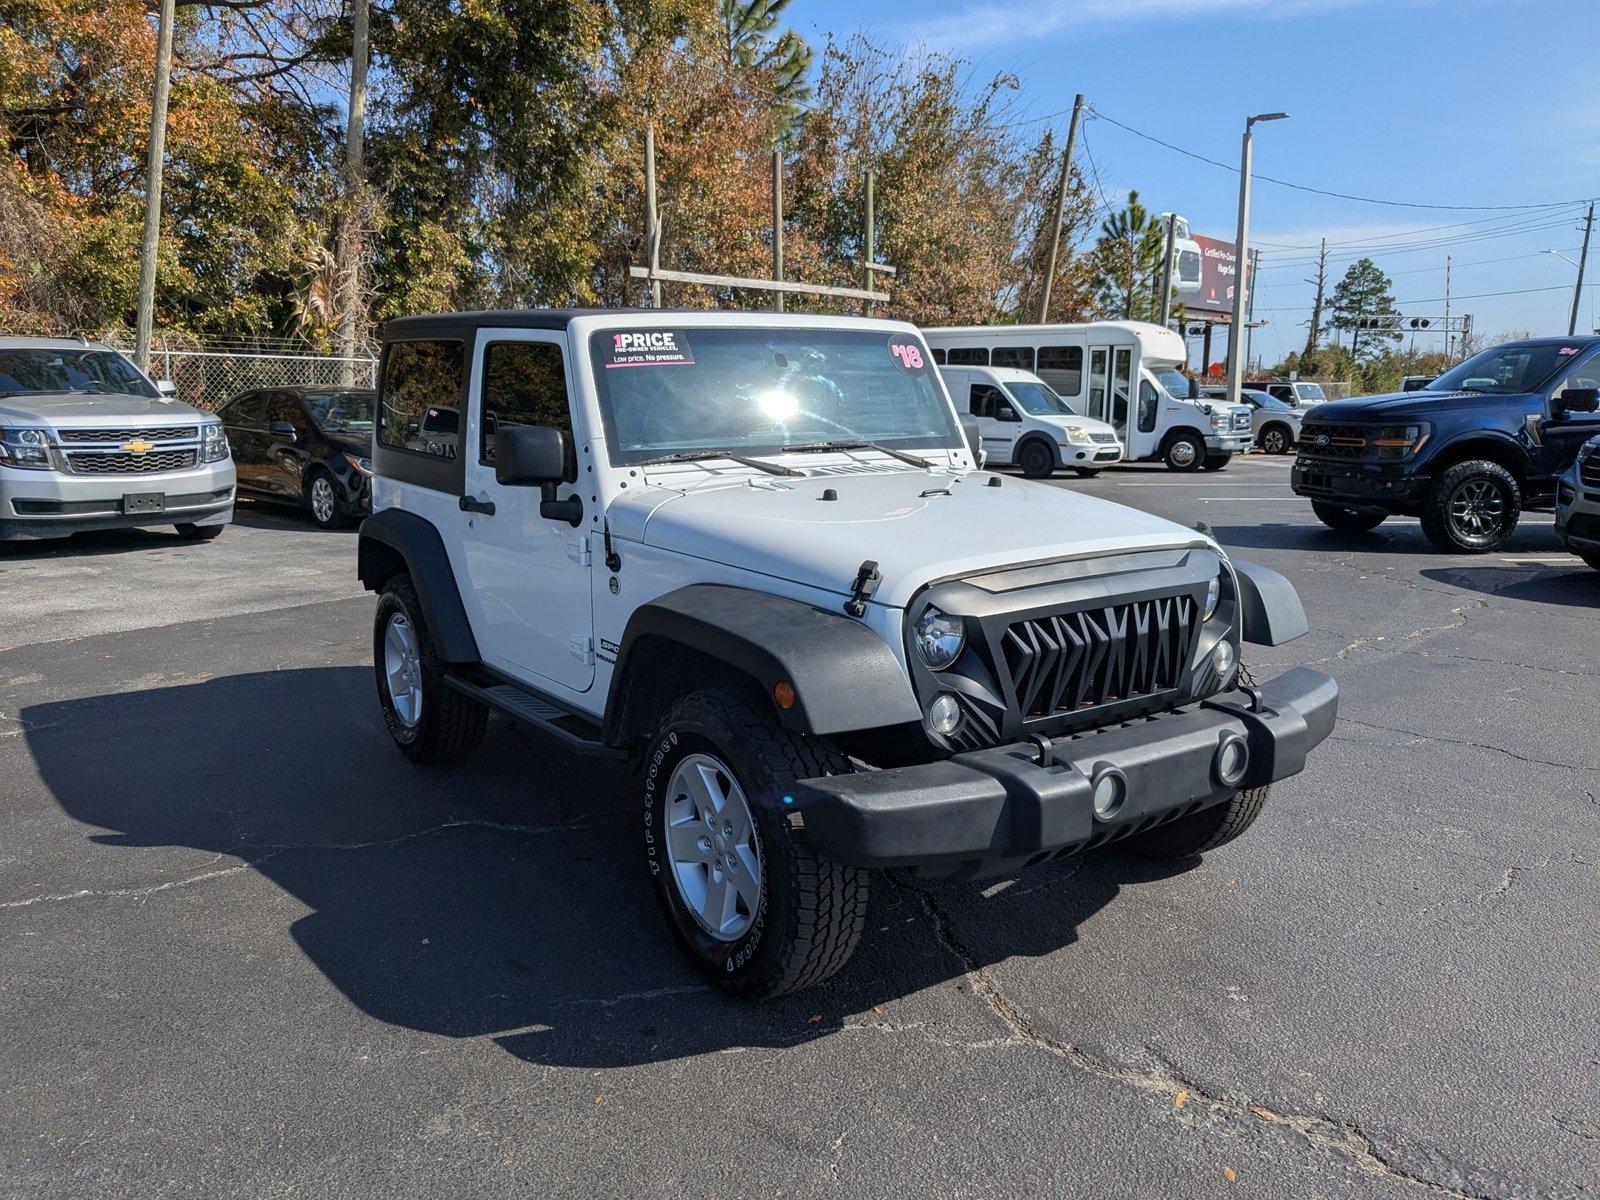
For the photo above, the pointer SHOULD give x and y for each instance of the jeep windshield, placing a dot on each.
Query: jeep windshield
(1508, 370)
(680, 390)
(92, 372)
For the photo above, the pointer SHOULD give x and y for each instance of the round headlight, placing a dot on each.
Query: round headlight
(1213, 594)
(939, 637)
(944, 714)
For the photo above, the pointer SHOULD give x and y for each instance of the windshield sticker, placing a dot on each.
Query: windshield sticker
(650, 348)
(1569, 350)
(907, 354)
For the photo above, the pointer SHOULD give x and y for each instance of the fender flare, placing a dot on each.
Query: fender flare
(845, 677)
(391, 541)
(1269, 608)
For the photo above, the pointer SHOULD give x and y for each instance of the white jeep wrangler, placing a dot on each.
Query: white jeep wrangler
(753, 552)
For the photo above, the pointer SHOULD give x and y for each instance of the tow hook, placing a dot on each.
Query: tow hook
(867, 580)
(1046, 748)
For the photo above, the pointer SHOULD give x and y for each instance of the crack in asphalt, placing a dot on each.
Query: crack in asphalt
(275, 850)
(1339, 1139)
(1435, 737)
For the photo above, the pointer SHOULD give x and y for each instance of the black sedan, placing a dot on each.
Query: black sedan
(310, 447)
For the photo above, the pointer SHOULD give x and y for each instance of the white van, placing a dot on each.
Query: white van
(1023, 423)
(1098, 368)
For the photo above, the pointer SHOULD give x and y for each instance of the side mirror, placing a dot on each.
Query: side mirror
(1005, 413)
(166, 387)
(536, 456)
(283, 431)
(1576, 400)
(1194, 388)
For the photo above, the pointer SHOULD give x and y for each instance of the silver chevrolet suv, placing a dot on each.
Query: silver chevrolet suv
(88, 442)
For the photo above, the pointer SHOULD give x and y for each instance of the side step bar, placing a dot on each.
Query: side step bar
(581, 735)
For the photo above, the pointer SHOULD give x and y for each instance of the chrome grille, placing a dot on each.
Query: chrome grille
(117, 462)
(1070, 661)
(166, 433)
(1241, 422)
(1102, 437)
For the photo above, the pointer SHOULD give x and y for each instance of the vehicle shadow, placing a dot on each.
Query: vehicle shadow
(503, 898)
(264, 514)
(1397, 535)
(92, 542)
(1577, 585)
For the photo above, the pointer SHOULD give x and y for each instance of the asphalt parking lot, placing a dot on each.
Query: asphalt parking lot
(248, 950)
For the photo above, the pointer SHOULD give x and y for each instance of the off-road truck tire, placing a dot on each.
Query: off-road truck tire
(811, 911)
(1201, 831)
(1184, 452)
(1346, 520)
(1036, 459)
(1448, 517)
(448, 725)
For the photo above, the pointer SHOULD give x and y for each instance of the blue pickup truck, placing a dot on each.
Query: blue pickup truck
(1467, 453)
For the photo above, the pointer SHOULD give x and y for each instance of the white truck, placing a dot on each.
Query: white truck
(751, 553)
(1023, 423)
(1126, 373)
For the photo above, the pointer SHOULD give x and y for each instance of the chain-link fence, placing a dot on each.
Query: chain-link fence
(209, 378)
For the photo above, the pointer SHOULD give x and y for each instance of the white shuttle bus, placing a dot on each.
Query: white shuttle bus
(1125, 373)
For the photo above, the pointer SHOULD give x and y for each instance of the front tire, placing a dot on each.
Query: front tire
(1590, 558)
(753, 906)
(1087, 472)
(328, 509)
(1275, 439)
(1037, 460)
(1346, 520)
(1215, 462)
(1204, 830)
(1185, 452)
(430, 721)
(1472, 508)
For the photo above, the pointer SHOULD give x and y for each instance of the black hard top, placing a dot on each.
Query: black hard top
(441, 324)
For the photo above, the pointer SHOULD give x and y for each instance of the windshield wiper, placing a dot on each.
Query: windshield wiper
(689, 456)
(819, 447)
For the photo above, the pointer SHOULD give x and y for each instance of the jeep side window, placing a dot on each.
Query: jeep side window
(421, 387)
(524, 383)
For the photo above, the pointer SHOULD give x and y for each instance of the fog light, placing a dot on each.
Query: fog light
(1222, 659)
(944, 714)
(1110, 790)
(1233, 756)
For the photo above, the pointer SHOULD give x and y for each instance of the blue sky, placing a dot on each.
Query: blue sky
(1459, 102)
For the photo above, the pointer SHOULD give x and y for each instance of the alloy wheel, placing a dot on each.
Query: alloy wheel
(713, 847)
(323, 501)
(402, 669)
(1477, 509)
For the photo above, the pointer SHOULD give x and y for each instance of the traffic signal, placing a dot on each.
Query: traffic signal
(1420, 322)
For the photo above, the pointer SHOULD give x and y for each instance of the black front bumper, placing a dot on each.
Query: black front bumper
(992, 810)
(1384, 486)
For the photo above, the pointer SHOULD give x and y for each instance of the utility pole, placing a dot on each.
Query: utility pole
(1166, 271)
(1583, 259)
(652, 218)
(1060, 210)
(152, 188)
(1449, 340)
(1241, 261)
(777, 226)
(1316, 304)
(868, 243)
(1250, 307)
(350, 231)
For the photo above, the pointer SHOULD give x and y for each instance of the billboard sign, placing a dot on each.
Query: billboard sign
(1219, 274)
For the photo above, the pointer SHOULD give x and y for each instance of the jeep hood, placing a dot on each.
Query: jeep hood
(918, 526)
(89, 408)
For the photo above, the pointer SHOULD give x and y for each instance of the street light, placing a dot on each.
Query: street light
(1241, 251)
(1570, 262)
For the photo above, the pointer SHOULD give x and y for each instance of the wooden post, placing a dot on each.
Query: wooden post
(1060, 211)
(777, 225)
(152, 193)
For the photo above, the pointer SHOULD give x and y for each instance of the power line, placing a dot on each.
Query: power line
(1404, 233)
(1417, 247)
(1300, 187)
(1560, 287)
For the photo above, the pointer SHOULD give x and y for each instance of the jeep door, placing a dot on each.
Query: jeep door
(527, 590)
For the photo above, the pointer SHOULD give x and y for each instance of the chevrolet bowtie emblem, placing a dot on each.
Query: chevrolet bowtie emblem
(138, 446)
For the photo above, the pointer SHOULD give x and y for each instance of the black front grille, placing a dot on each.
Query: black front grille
(1327, 440)
(1589, 471)
(166, 433)
(1067, 662)
(95, 462)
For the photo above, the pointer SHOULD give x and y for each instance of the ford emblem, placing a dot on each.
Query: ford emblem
(1321, 439)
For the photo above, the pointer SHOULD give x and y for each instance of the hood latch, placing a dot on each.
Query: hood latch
(867, 581)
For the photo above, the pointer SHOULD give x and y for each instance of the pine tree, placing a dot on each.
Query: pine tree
(1364, 292)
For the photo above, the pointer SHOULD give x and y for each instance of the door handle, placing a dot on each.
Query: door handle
(473, 505)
